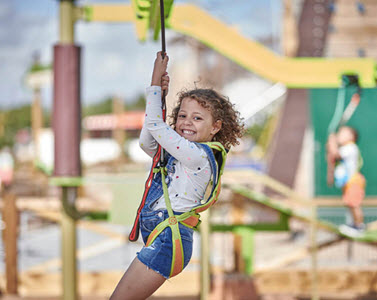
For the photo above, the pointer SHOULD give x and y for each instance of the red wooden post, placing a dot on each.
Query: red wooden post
(67, 110)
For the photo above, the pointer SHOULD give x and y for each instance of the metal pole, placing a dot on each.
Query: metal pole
(69, 263)
(68, 224)
(67, 22)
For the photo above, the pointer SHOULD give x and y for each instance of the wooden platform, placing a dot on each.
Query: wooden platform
(334, 284)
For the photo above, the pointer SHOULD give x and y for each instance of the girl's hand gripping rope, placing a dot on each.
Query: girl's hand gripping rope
(160, 76)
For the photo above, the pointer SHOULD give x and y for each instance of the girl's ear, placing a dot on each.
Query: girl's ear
(216, 127)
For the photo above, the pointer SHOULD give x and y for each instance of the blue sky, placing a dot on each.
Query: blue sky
(114, 62)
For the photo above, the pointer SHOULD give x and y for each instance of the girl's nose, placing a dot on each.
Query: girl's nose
(188, 121)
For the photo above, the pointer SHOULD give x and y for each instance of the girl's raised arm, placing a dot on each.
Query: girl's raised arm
(147, 143)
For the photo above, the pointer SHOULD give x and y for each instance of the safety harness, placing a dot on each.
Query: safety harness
(190, 218)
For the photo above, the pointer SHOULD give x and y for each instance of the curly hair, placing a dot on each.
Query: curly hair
(221, 109)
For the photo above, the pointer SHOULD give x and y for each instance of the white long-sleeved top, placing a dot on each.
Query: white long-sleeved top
(192, 168)
(349, 164)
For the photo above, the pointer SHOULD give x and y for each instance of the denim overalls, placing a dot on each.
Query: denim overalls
(158, 256)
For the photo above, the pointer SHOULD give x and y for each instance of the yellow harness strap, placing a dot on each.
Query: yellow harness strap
(190, 218)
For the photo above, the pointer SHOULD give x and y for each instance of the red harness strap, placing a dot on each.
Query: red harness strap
(134, 234)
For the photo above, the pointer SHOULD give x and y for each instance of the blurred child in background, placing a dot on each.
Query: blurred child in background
(342, 146)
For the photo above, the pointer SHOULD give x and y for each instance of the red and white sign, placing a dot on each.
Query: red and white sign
(132, 120)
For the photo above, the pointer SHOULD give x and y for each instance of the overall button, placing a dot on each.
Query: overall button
(160, 214)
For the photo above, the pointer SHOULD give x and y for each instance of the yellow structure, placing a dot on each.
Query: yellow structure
(293, 72)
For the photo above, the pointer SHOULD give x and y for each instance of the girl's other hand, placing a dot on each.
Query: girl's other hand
(165, 83)
(159, 69)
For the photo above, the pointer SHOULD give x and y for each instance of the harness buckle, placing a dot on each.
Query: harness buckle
(173, 220)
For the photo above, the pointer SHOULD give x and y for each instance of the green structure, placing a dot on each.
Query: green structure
(322, 107)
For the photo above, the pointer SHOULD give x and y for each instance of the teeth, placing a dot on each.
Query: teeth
(188, 131)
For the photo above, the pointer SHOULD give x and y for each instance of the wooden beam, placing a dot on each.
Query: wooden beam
(342, 281)
(348, 9)
(355, 22)
(54, 204)
(299, 254)
(331, 201)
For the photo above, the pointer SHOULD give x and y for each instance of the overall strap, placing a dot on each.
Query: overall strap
(217, 171)
(190, 218)
(178, 255)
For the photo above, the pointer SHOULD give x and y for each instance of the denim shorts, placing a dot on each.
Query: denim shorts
(158, 256)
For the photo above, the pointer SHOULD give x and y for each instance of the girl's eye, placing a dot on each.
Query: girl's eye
(181, 116)
(197, 118)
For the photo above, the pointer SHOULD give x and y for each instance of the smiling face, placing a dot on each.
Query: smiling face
(195, 122)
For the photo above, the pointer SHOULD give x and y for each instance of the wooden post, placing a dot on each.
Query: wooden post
(119, 134)
(10, 234)
(204, 256)
(239, 264)
(314, 250)
(36, 120)
(290, 34)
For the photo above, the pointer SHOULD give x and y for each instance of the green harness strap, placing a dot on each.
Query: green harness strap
(190, 218)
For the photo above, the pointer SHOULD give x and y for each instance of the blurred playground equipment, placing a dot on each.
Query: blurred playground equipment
(323, 76)
(193, 21)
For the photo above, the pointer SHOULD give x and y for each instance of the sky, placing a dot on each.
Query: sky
(114, 62)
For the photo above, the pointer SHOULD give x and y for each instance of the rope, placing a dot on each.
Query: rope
(158, 158)
(163, 52)
(338, 110)
(341, 115)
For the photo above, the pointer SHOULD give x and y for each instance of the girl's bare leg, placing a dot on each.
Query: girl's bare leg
(357, 215)
(138, 283)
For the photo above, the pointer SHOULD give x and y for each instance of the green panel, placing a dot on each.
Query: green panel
(247, 235)
(322, 106)
(66, 181)
(281, 225)
(126, 199)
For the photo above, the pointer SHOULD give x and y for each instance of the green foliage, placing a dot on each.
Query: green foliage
(38, 67)
(103, 107)
(12, 121)
(47, 115)
(106, 106)
(255, 131)
(138, 104)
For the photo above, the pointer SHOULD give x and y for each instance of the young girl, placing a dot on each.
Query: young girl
(202, 115)
(343, 147)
